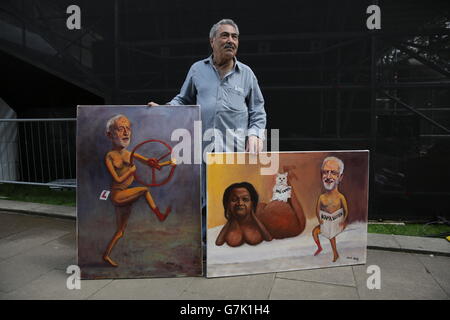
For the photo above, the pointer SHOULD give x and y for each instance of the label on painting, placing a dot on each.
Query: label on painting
(104, 195)
(331, 223)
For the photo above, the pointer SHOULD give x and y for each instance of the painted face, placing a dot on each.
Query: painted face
(240, 203)
(330, 175)
(121, 134)
(225, 43)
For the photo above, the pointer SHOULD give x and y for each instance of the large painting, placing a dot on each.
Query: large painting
(138, 209)
(310, 212)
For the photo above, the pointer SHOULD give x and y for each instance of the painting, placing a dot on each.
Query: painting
(310, 212)
(138, 209)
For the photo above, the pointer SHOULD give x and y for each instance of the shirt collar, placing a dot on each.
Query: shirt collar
(237, 66)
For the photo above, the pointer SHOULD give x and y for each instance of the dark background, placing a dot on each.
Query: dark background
(329, 82)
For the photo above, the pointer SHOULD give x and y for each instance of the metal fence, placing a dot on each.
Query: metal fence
(38, 152)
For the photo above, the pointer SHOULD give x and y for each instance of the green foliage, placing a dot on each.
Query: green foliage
(38, 194)
(418, 230)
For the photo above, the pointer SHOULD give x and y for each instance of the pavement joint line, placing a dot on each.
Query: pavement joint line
(12, 234)
(396, 241)
(356, 282)
(271, 286)
(40, 213)
(432, 276)
(318, 282)
(37, 214)
(31, 281)
(107, 284)
(31, 248)
(62, 236)
(406, 250)
(185, 289)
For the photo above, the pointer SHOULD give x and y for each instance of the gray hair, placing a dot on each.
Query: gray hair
(213, 31)
(112, 122)
(339, 161)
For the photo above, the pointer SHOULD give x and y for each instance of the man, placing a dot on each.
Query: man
(332, 209)
(118, 163)
(229, 97)
(226, 90)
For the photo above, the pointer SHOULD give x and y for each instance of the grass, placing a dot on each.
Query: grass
(38, 194)
(67, 197)
(413, 229)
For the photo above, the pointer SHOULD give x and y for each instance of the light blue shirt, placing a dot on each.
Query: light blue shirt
(234, 102)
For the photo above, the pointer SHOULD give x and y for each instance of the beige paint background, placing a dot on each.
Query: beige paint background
(307, 188)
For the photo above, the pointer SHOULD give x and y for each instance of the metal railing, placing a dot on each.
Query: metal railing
(38, 152)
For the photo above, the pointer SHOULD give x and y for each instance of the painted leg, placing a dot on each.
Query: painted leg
(333, 246)
(155, 209)
(122, 215)
(112, 243)
(315, 234)
(161, 217)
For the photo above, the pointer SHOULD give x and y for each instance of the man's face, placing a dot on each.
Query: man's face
(330, 175)
(121, 134)
(225, 43)
(240, 203)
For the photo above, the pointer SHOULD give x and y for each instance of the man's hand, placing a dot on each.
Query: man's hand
(254, 144)
(152, 104)
(173, 162)
(153, 162)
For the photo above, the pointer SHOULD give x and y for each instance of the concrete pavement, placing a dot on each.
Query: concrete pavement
(35, 250)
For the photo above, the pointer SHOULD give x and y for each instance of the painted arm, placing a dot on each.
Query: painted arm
(115, 176)
(344, 205)
(153, 162)
(221, 237)
(264, 232)
(141, 159)
(318, 210)
(167, 163)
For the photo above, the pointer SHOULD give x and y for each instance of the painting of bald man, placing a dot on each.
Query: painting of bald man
(311, 213)
(138, 210)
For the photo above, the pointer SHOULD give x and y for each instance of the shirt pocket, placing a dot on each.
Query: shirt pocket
(234, 99)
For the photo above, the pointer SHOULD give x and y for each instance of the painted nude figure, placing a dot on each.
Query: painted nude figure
(240, 201)
(117, 161)
(331, 210)
(251, 222)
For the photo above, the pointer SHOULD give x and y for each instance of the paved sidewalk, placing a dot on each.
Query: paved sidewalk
(36, 250)
(375, 241)
(38, 209)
